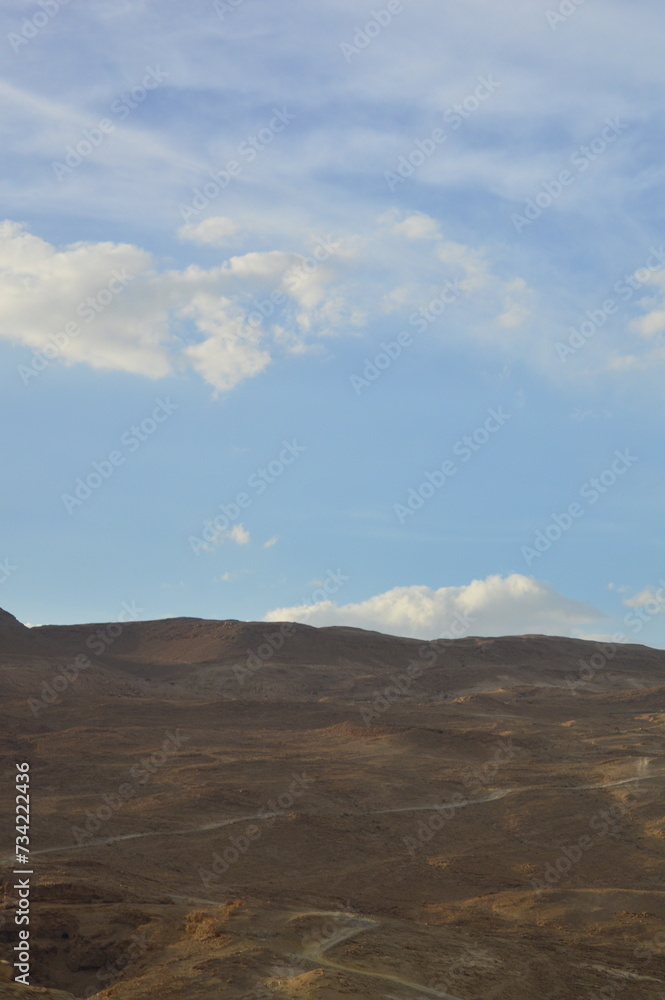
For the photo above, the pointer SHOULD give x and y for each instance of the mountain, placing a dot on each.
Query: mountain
(8, 623)
(270, 811)
(198, 657)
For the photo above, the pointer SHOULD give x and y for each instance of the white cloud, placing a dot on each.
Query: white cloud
(221, 358)
(649, 597)
(106, 305)
(511, 605)
(271, 541)
(651, 324)
(228, 322)
(216, 231)
(470, 267)
(43, 289)
(239, 534)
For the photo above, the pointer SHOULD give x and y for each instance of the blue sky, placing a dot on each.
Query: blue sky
(389, 279)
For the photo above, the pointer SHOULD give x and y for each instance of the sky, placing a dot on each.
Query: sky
(336, 313)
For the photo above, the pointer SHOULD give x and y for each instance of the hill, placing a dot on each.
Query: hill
(269, 810)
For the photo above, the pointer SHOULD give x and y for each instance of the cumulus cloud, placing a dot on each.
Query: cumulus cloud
(87, 295)
(511, 605)
(108, 305)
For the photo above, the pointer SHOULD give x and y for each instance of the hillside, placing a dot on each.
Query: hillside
(266, 810)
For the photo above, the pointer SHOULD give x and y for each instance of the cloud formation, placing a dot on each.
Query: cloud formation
(111, 306)
(651, 598)
(511, 605)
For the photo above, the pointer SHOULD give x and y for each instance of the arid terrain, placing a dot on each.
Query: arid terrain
(251, 811)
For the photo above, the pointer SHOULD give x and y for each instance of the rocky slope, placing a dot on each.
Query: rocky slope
(216, 813)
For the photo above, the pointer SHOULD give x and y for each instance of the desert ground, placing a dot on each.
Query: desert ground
(256, 811)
